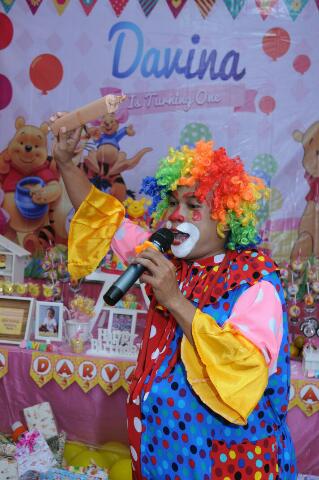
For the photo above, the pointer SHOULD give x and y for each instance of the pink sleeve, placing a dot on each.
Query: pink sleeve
(257, 314)
(127, 237)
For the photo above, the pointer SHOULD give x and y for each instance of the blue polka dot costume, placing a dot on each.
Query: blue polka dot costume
(182, 438)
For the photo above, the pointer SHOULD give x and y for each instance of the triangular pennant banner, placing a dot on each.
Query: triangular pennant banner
(265, 7)
(118, 6)
(295, 7)
(147, 6)
(88, 5)
(3, 363)
(34, 5)
(234, 6)
(7, 5)
(176, 6)
(205, 6)
(61, 5)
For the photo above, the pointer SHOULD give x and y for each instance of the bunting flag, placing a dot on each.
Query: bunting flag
(3, 363)
(34, 5)
(61, 5)
(7, 5)
(87, 5)
(234, 6)
(265, 7)
(176, 6)
(295, 7)
(147, 6)
(205, 6)
(87, 373)
(64, 371)
(41, 370)
(118, 6)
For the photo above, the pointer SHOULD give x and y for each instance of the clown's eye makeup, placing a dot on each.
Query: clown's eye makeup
(194, 205)
(172, 202)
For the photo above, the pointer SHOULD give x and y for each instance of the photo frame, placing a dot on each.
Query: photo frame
(16, 316)
(49, 321)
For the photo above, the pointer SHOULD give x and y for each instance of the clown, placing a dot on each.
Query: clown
(210, 391)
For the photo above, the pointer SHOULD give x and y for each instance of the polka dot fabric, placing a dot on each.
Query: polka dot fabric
(181, 438)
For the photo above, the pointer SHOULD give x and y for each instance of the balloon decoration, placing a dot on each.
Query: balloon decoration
(5, 91)
(267, 104)
(302, 64)
(121, 470)
(6, 31)
(276, 42)
(46, 72)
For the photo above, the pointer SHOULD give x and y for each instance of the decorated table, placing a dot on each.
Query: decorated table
(89, 405)
(303, 418)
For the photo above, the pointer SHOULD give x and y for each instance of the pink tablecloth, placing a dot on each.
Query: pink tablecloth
(92, 417)
(95, 417)
(304, 431)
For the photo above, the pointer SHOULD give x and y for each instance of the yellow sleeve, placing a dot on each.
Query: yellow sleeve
(226, 370)
(91, 231)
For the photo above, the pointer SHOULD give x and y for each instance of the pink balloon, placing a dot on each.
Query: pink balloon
(276, 42)
(267, 104)
(302, 63)
(5, 91)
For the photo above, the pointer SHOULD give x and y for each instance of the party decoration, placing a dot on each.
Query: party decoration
(46, 72)
(88, 457)
(34, 5)
(7, 5)
(118, 6)
(205, 6)
(114, 343)
(3, 362)
(265, 7)
(64, 371)
(117, 448)
(193, 132)
(295, 7)
(5, 91)
(147, 6)
(6, 31)
(176, 6)
(41, 370)
(234, 6)
(60, 5)
(265, 162)
(302, 64)
(85, 371)
(88, 5)
(121, 470)
(72, 449)
(305, 396)
(276, 42)
(267, 104)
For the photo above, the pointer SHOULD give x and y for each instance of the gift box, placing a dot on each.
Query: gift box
(33, 453)
(57, 445)
(92, 473)
(8, 468)
(40, 417)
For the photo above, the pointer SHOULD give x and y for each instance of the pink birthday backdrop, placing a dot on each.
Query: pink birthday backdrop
(243, 74)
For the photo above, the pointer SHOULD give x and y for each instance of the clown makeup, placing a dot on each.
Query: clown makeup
(195, 234)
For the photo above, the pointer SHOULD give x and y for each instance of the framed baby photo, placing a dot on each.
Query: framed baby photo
(49, 321)
(16, 315)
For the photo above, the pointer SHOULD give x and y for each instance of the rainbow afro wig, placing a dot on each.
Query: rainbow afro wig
(235, 194)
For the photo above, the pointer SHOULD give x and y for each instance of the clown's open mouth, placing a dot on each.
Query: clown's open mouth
(179, 237)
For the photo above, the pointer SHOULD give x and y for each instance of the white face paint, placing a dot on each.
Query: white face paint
(185, 248)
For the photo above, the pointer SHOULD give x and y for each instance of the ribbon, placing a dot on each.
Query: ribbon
(28, 441)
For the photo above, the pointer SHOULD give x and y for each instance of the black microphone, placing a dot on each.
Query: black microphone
(162, 239)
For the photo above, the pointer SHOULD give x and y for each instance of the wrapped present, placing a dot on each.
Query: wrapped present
(33, 453)
(57, 445)
(8, 468)
(40, 417)
(7, 450)
(80, 473)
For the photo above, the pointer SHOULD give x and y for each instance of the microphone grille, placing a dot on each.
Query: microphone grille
(163, 238)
